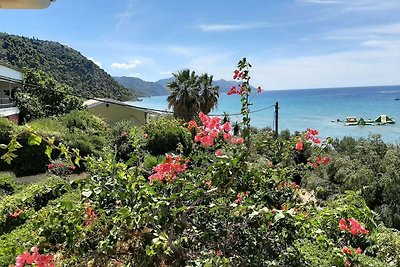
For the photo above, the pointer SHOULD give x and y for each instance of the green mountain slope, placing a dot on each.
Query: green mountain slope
(65, 64)
(141, 87)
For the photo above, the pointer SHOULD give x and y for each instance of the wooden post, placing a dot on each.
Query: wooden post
(276, 119)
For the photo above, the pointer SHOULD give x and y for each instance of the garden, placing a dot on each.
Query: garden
(195, 193)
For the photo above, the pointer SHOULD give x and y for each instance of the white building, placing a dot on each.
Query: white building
(10, 79)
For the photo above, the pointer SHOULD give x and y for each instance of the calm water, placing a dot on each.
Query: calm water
(316, 108)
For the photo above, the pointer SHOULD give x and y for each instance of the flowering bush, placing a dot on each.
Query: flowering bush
(61, 168)
(34, 258)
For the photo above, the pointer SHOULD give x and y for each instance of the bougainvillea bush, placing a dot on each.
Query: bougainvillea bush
(217, 199)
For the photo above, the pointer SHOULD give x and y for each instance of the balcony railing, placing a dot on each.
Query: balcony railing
(6, 103)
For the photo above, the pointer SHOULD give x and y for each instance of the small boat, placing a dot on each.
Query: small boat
(351, 121)
(363, 122)
(384, 119)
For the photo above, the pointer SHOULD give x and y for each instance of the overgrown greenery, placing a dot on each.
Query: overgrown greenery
(194, 194)
(42, 96)
(63, 63)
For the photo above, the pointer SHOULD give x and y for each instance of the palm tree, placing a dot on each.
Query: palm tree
(208, 94)
(184, 97)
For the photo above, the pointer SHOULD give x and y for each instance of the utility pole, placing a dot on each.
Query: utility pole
(276, 119)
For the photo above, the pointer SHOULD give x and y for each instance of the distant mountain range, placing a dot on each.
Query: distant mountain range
(63, 63)
(142, 88)
(160, 87)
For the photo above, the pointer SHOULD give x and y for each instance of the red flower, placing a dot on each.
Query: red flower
(343, 225)
(191, 125)
(16, 214)
(218, 153)
(346, 250)
(239, 198)
(299, 145)
(358, 250)
(348, 263)
(61, 165)
(239, 140)
(73, 168)
(51, 166)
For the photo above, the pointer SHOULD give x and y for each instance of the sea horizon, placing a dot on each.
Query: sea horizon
(317, 108)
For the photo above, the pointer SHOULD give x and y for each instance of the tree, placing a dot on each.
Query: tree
(209, 94)
(191, 94)
(43, 96)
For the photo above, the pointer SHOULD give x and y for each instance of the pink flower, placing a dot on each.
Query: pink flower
(348, 263)
(146, 136)
(346, 250)
(192, 124)
(73, 168)
(227, 136)
(51, 166)
(218, 153)
(259, 89)
(343, 225)
(197, 138)
(358, 250)
(227, 126)
(299, 145)
(239, 198)
(239, 140)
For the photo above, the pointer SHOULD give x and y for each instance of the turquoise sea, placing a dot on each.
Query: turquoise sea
(315, 108)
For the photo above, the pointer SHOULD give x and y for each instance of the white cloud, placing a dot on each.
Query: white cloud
(135, 75)
(98, 63)
(367, 32)
(166, 73)
(359, 5)
(126, 66)
(379, 64)
(321, 1)
(231, 27)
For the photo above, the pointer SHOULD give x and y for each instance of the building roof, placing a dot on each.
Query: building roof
(98, 101)
(4, 112)
(10, 75)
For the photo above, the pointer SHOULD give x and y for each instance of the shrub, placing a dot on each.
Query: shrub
(165, 136)
(7, 185)
(34, 196)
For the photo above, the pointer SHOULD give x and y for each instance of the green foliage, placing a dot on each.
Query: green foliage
(368, 166)
(6, 127)
(85, 132)
(63, 63)
(43, 96)
(34, 231)
(32, 197)
(7, 185)
(14, 243)
(165, 136)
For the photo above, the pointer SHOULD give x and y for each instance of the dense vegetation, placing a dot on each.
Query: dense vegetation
(175, 193)
(63, 63)
(205, 204)
(44, 97)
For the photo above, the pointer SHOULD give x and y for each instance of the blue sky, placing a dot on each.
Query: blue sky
(290, 43)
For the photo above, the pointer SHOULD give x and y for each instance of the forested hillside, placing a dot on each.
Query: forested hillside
(142, 88)
(65, 64)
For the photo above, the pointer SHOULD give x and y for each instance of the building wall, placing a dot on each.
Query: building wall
(113, 113)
